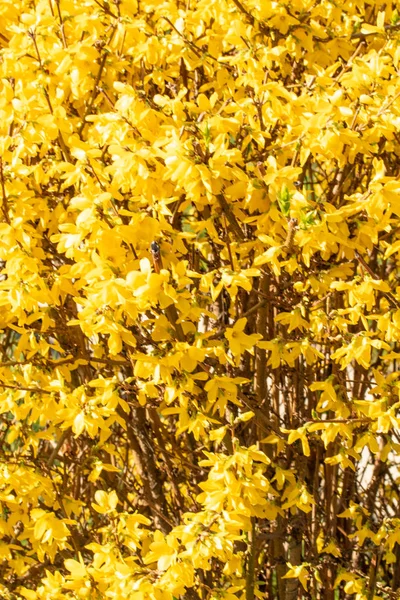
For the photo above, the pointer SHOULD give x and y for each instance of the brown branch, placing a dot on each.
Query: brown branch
(106, 9)
(143, 451)
(64, 436)
(26, 389)
(170, 311)
(237, 230)
(260, 376)
(351, 420)
(251, 561)
(61, 24)
(228, 244)
(252, 20)
(192, 45)
(47, 362)
(96, 88)
(4, 194)
(60, 139)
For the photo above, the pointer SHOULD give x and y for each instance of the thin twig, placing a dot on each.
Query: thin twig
(237, 230)
(4, 206)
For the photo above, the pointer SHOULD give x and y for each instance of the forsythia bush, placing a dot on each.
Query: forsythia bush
(199, 299)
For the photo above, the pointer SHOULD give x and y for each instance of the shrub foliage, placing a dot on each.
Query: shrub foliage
(199, 299)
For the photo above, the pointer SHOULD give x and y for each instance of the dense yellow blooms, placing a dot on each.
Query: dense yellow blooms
(199, 299)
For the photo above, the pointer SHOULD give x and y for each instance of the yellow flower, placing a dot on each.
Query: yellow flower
(240, 341)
